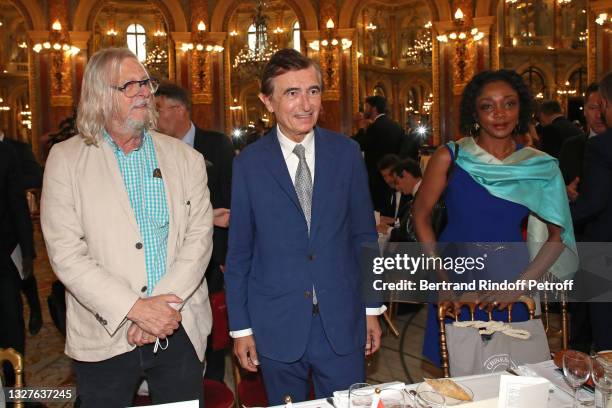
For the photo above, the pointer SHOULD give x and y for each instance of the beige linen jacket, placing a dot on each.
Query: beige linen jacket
(91, 235)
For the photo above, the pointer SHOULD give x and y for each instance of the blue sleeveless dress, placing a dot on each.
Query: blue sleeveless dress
(474, 215)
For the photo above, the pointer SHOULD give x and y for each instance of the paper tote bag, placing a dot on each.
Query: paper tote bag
(470, 353)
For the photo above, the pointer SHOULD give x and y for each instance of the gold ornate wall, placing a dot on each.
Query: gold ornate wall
(395, 47)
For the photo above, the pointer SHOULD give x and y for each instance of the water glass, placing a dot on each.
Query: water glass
(576, 368)
(392, 398)
(429, 399)
(360, 395)
(602, 377)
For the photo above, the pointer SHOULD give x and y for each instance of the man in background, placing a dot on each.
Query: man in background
(15, 229)
(396, 201)
(556, 128)
(174, 107)
(378, 136)
(593, 206)
(32, 178)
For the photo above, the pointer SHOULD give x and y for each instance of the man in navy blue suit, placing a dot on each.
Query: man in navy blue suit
(593, 207)
(301, 211)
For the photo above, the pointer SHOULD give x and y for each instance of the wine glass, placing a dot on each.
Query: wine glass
(577, 368)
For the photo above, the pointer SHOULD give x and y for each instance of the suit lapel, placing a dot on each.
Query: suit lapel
(322, 180)
(118, 184)
(173, 188)
(275, 162)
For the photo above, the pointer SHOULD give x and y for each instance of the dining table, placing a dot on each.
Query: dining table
(485, 389)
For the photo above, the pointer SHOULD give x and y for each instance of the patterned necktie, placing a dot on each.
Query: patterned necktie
(303, 183)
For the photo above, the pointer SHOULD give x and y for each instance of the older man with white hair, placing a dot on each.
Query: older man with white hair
(127, 221)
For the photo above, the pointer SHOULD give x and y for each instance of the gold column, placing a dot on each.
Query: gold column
(34, 101)
(435, 73)
(329, 59)
(201, 69)
(227, 89)
(60, 61)
(394, 51)
(591, 46)
(58, 69)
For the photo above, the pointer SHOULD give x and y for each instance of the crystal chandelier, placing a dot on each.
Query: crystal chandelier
(420, 51)
(157, 56)
(251, 61)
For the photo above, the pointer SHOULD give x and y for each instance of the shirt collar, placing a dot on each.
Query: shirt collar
(189, 137)
(592, 133)
(379, 115)
(287, 145)
(115, 146)
(416, 187)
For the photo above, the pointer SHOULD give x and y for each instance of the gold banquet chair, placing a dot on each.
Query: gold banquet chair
(16, 359)
(444, 312)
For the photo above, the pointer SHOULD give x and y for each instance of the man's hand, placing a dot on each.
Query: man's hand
(28, 267)
(221, 217)
(138, 337)
(572, 189)
(373, 333)
(155, 316)
(382, 228)
(387, 220)
(244, 349)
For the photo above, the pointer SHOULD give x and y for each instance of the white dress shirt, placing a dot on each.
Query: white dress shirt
(287, 145)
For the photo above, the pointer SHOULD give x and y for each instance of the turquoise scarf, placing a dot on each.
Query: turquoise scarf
(531, 178)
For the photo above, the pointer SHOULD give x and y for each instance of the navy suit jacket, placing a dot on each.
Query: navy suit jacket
(594, 204)
(273, 263)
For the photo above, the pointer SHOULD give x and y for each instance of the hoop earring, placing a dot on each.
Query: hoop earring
(474, 129)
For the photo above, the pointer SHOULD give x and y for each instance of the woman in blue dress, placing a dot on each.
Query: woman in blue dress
(491, 185)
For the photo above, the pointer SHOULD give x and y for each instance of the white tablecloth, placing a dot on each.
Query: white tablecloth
(485, 388)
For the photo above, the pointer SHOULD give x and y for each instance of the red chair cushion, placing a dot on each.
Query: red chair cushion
(251, 390)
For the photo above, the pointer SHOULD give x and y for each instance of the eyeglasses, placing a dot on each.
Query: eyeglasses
(131, 88)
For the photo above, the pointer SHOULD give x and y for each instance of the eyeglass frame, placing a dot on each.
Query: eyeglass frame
(152, 82)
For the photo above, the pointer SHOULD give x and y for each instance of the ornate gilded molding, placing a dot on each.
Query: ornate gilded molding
(200, 61)
(60, 62)
(435, 108)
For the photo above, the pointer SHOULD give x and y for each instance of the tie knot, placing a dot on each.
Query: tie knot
(300, 151)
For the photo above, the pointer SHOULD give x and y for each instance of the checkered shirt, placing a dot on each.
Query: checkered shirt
(148, 200)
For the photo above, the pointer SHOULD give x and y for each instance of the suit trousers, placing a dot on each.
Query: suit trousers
(12, 330)
(329, 371)
(173, 374)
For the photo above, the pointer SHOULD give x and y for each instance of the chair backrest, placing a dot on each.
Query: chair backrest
(563, 332)
(249, 388)
(16, 359)
(443, 313)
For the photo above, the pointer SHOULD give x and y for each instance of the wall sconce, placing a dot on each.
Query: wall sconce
(461, 32)
(330, 41)
(3, 107)
(201, 42)
(235, 106)
(602, 19)
(370, 27)
(56, 41)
